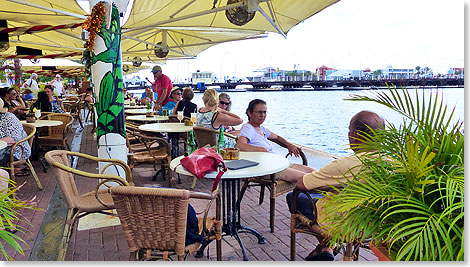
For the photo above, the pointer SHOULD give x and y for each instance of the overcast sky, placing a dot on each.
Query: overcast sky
(351, 34)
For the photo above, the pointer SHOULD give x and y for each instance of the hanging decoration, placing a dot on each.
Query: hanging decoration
(93, 24)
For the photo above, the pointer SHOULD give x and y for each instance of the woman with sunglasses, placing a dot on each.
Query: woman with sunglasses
(254, 137)
(14, 103)
(211, 116)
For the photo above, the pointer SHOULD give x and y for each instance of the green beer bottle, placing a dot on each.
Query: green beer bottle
(191, 143)
(221, 141)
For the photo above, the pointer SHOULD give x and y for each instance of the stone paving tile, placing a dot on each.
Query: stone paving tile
(108, 243)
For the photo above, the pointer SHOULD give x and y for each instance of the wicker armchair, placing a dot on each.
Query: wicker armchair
(79, 205)
(147, 149)
(275, 187)
(30, 131)
(302, 224)
(74, 109)
(57, 135)
(154, 221)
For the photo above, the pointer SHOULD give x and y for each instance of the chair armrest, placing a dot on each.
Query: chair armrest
(231, 136)
(118, 162)
(214, 195)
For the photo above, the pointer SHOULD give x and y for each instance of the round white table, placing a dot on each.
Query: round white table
(43, 123)
(3, 144)
(269, 164)
(135, 111)
(172, 127)
(144, 118)
(134, 107)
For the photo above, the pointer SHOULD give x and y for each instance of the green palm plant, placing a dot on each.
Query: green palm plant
(410, 195)
(10, 208)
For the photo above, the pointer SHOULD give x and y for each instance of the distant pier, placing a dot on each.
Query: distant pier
(326, 85)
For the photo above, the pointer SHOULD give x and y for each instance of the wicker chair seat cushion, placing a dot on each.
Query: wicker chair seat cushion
(281, 186)
(88, 203)
(144, 156)
(139, 147)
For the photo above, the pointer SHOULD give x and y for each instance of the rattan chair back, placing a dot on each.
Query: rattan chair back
(153, 218)
(30, 133)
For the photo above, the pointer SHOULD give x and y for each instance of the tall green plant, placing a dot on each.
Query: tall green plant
(10, 208)
(410, 196)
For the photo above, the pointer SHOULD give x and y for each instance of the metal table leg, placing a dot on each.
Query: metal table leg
(231, 214)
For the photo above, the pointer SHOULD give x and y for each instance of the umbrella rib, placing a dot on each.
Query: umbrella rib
(50, 45)
(178, 46)
(48, 8)
(194, 36)
(159, 46)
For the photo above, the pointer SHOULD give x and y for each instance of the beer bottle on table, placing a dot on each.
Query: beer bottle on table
(191, 143)
(221, 141)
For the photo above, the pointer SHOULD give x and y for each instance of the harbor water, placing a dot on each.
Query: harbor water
(320, 119)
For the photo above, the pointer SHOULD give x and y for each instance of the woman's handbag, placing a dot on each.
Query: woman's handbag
(202, 161)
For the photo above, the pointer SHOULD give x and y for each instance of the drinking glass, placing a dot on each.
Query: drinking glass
(180, 116)
(164, 112)
(193, 117)
(37, 113)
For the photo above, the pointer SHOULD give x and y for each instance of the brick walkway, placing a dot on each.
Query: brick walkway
(108, 243)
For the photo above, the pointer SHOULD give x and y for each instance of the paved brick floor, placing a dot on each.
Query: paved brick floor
(108, 243)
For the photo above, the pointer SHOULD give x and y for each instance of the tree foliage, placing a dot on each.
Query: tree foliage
(410, 196)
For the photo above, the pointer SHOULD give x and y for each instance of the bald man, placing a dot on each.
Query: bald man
(338, 170)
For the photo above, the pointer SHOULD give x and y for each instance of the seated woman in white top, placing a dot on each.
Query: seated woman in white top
(254, 137)
(211, 116)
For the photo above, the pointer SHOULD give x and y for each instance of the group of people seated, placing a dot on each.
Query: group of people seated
(253, 136)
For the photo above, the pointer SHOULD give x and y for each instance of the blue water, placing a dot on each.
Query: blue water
(320, 119)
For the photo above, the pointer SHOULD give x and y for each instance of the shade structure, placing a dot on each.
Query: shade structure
(156, 30)
(267, 16)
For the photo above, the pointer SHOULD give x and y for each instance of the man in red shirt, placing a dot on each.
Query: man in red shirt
(162, 86)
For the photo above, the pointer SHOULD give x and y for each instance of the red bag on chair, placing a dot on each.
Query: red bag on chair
(202, 161)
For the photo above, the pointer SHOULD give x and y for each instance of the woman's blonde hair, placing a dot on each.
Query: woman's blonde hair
(211, 99)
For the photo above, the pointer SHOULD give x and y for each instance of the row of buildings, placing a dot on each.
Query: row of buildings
(324, 73)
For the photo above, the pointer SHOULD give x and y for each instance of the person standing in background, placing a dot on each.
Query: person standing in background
(32, 84)
(58, 86)
(162, 86)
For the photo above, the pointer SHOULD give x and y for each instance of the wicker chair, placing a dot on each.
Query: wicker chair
(154, 221)
(57, 135)
(74, 109)
(30, 131)
(79, 205)
(302, 224)
(275, 187)
(147, 149)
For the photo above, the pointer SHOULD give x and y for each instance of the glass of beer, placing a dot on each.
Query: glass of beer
(164, 112)
(193, 118)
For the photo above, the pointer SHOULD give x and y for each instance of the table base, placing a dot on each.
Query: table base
(231, 214)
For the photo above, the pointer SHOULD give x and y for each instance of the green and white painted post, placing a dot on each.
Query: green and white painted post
(106, 73)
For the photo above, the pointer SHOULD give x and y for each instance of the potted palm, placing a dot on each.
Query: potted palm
(410, 196)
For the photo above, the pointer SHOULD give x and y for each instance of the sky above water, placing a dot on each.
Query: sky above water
(351, 34)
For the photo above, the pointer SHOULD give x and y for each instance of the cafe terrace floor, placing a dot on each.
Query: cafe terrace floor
(102, 239)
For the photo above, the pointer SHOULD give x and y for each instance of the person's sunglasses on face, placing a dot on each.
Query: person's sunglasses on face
(224, 103)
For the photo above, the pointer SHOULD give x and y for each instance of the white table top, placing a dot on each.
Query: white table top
(269, 163)
(135, 111)
(134, 107)
(43, 123)
(145, 118)
(3, 144)
(172, 127)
